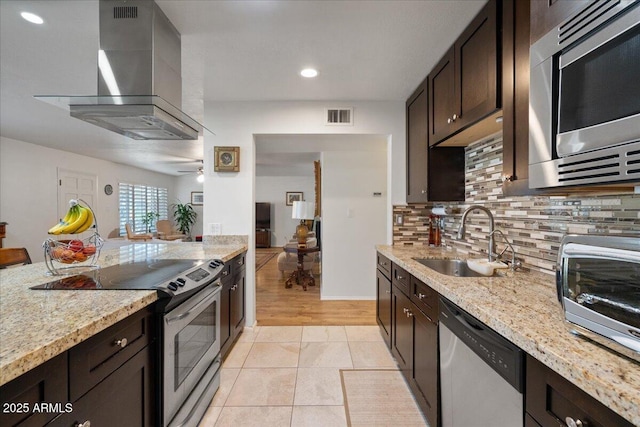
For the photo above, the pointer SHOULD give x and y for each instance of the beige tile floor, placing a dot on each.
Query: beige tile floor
(290, 375)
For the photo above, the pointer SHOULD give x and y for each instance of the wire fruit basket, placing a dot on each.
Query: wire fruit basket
(73, 256)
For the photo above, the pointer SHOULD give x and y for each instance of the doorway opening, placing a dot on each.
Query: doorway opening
(345, 176)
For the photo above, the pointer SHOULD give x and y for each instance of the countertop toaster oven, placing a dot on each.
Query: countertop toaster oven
(598, 283)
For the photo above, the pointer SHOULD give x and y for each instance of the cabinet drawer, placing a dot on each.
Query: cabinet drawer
(238, 263)
(383, 264)
(401, 278)
(93, 360)
(46, 383)
(425, 298)
(227, 272)
(551, 399)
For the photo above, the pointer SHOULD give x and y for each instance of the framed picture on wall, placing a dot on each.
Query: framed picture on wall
(197, 197)
(293, 196)
(226, 159)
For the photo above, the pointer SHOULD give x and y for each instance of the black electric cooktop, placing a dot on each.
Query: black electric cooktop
(175, 280)
(139, 275)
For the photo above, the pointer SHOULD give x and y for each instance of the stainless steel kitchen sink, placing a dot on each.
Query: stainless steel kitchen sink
(450, 267)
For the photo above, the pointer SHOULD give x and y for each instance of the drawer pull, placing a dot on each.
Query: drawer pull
(387, 291)
(399, 277)
(122, 343)
(84, 424)
(421, 296)
(225, 273)
(574, 423)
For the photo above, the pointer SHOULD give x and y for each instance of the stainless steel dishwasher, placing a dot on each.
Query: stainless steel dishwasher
(481, 373)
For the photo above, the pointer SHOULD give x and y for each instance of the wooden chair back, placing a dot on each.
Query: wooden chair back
(132, 236)
(14, 256)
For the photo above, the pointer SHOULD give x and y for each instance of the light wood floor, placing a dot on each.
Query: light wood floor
(278, 306)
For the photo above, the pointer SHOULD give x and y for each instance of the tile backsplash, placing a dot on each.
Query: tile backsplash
(534, 224)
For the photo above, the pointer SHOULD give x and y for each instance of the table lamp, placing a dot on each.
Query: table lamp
(302, 211)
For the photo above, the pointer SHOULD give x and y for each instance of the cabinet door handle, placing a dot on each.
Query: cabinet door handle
(225, 273)
(405, 309)
(449, 120)
(574, 423)
(409, 313)
(84, 424)
(420, 296)
(455, 117)
(122, 343)
(387, 292)
(399, 277)
(424, 191)
(234, 287)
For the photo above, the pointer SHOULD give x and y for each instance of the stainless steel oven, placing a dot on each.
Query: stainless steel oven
(191, 356)
(584, 120)
(598, 282)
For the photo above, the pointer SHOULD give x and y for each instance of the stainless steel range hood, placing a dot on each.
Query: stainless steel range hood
(139, 76)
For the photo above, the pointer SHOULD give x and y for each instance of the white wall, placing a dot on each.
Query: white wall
(29, 191)
(353, 222)
(237, 123)
(272, 189)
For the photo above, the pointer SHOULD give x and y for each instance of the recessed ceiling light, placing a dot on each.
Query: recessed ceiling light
(309, 72)
(34, 19)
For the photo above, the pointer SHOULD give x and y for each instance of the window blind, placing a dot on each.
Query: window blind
(135, 201)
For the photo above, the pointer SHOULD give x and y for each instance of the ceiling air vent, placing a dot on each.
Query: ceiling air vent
(123, 12)
(339, 116)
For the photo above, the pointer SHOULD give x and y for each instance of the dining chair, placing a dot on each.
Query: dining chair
(132, 236)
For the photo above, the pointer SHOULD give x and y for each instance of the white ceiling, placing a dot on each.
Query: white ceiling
(231, 50)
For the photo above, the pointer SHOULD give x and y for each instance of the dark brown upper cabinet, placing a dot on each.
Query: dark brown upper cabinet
(417, 145)
(433, 173)
(464, 85)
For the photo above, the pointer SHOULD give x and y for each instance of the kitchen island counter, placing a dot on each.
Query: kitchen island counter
(37, 325)
(523, 307)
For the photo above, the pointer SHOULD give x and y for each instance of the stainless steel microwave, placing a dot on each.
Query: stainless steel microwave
(598, 283)
(584, 99)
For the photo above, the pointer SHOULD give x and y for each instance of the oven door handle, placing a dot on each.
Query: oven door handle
(187, 313)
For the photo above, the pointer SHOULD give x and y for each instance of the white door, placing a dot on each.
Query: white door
(76, 185)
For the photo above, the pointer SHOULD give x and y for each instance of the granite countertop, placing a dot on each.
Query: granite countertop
(523, 307)
(36, 326)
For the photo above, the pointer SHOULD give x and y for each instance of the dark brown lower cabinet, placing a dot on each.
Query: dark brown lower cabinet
(232, 302)
(124, 399)
(415, 347)
(96, 381)
(45, 383)
(551, 400)
(424, 381)
(383, 305)
(402, 334)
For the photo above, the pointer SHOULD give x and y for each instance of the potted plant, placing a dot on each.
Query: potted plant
(149, 218)
(185, 217)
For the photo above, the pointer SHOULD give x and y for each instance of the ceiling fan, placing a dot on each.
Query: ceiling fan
(199, 171)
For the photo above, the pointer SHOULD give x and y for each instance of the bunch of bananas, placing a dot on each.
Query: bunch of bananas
(77, 220)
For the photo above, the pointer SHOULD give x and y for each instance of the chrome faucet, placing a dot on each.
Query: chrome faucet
(514, 263)
(461, 230)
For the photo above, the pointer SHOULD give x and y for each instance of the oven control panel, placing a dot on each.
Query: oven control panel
(195, 278)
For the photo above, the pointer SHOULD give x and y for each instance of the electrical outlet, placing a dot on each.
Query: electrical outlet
(215, 228)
